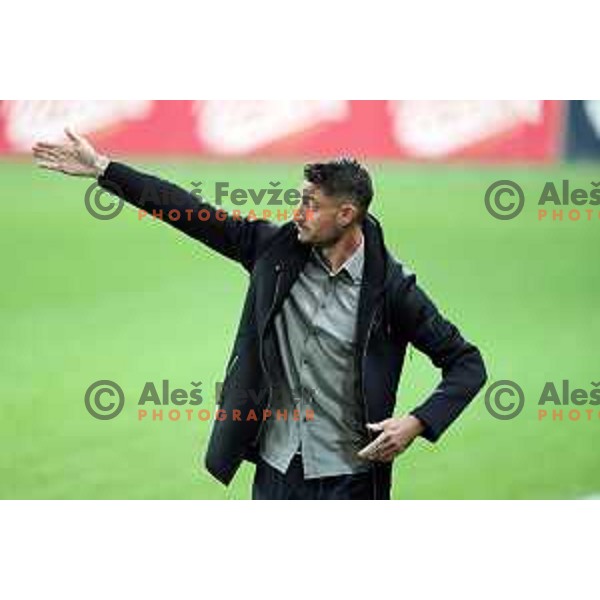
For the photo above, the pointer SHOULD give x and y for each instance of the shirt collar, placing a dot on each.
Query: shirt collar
(353, 266)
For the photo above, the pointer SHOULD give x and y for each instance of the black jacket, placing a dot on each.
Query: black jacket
(393, 312)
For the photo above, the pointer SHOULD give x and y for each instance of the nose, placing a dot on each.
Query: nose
(306, 214)
(302, 214)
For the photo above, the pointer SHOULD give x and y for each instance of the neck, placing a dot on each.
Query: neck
(340, 251)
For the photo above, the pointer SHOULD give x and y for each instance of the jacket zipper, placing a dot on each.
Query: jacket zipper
(362, 366)
(364, 395)
(233, 363)
(278, 269)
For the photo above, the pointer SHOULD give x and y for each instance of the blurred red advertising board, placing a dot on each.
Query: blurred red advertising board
(413, 130)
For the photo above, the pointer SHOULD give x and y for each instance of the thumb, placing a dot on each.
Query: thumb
(375, 426)
(72, 135)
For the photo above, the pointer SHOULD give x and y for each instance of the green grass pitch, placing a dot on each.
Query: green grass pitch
(132, 301)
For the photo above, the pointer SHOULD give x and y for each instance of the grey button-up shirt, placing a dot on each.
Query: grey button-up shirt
(316, 330)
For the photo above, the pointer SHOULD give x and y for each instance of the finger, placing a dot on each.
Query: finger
(387, 446)
(381, 425)
(38, 148)
(47, 160)
(366, 454)
(384, 451)
(370, 449)
(374, 444)
(382, 455)
(74, 137)
(393, 453)
(52, 166)
(46, 146)
(45, 154)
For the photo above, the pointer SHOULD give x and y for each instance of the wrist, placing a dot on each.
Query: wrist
(418, 425)
(100, 165)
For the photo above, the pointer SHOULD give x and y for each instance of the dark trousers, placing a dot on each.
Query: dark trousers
(270, 484)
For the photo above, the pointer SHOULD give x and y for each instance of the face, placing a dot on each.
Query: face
(322, 219)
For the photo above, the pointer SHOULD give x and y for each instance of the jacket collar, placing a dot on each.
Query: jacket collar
(373, 277)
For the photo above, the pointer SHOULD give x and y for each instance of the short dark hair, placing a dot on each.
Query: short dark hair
(343, 177)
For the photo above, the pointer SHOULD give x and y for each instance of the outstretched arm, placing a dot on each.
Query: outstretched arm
(239, 239)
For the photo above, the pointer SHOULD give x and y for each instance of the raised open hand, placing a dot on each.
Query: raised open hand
(76, 156)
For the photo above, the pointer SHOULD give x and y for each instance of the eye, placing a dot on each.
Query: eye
(310, 204)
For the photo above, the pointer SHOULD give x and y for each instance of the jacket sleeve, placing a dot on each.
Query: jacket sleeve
(241, 240)
(463, 370)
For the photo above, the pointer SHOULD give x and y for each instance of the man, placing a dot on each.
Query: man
(325, 325)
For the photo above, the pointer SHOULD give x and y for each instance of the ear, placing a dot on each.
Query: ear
(347, 214)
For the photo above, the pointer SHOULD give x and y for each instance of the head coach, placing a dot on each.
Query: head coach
(325, 325)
